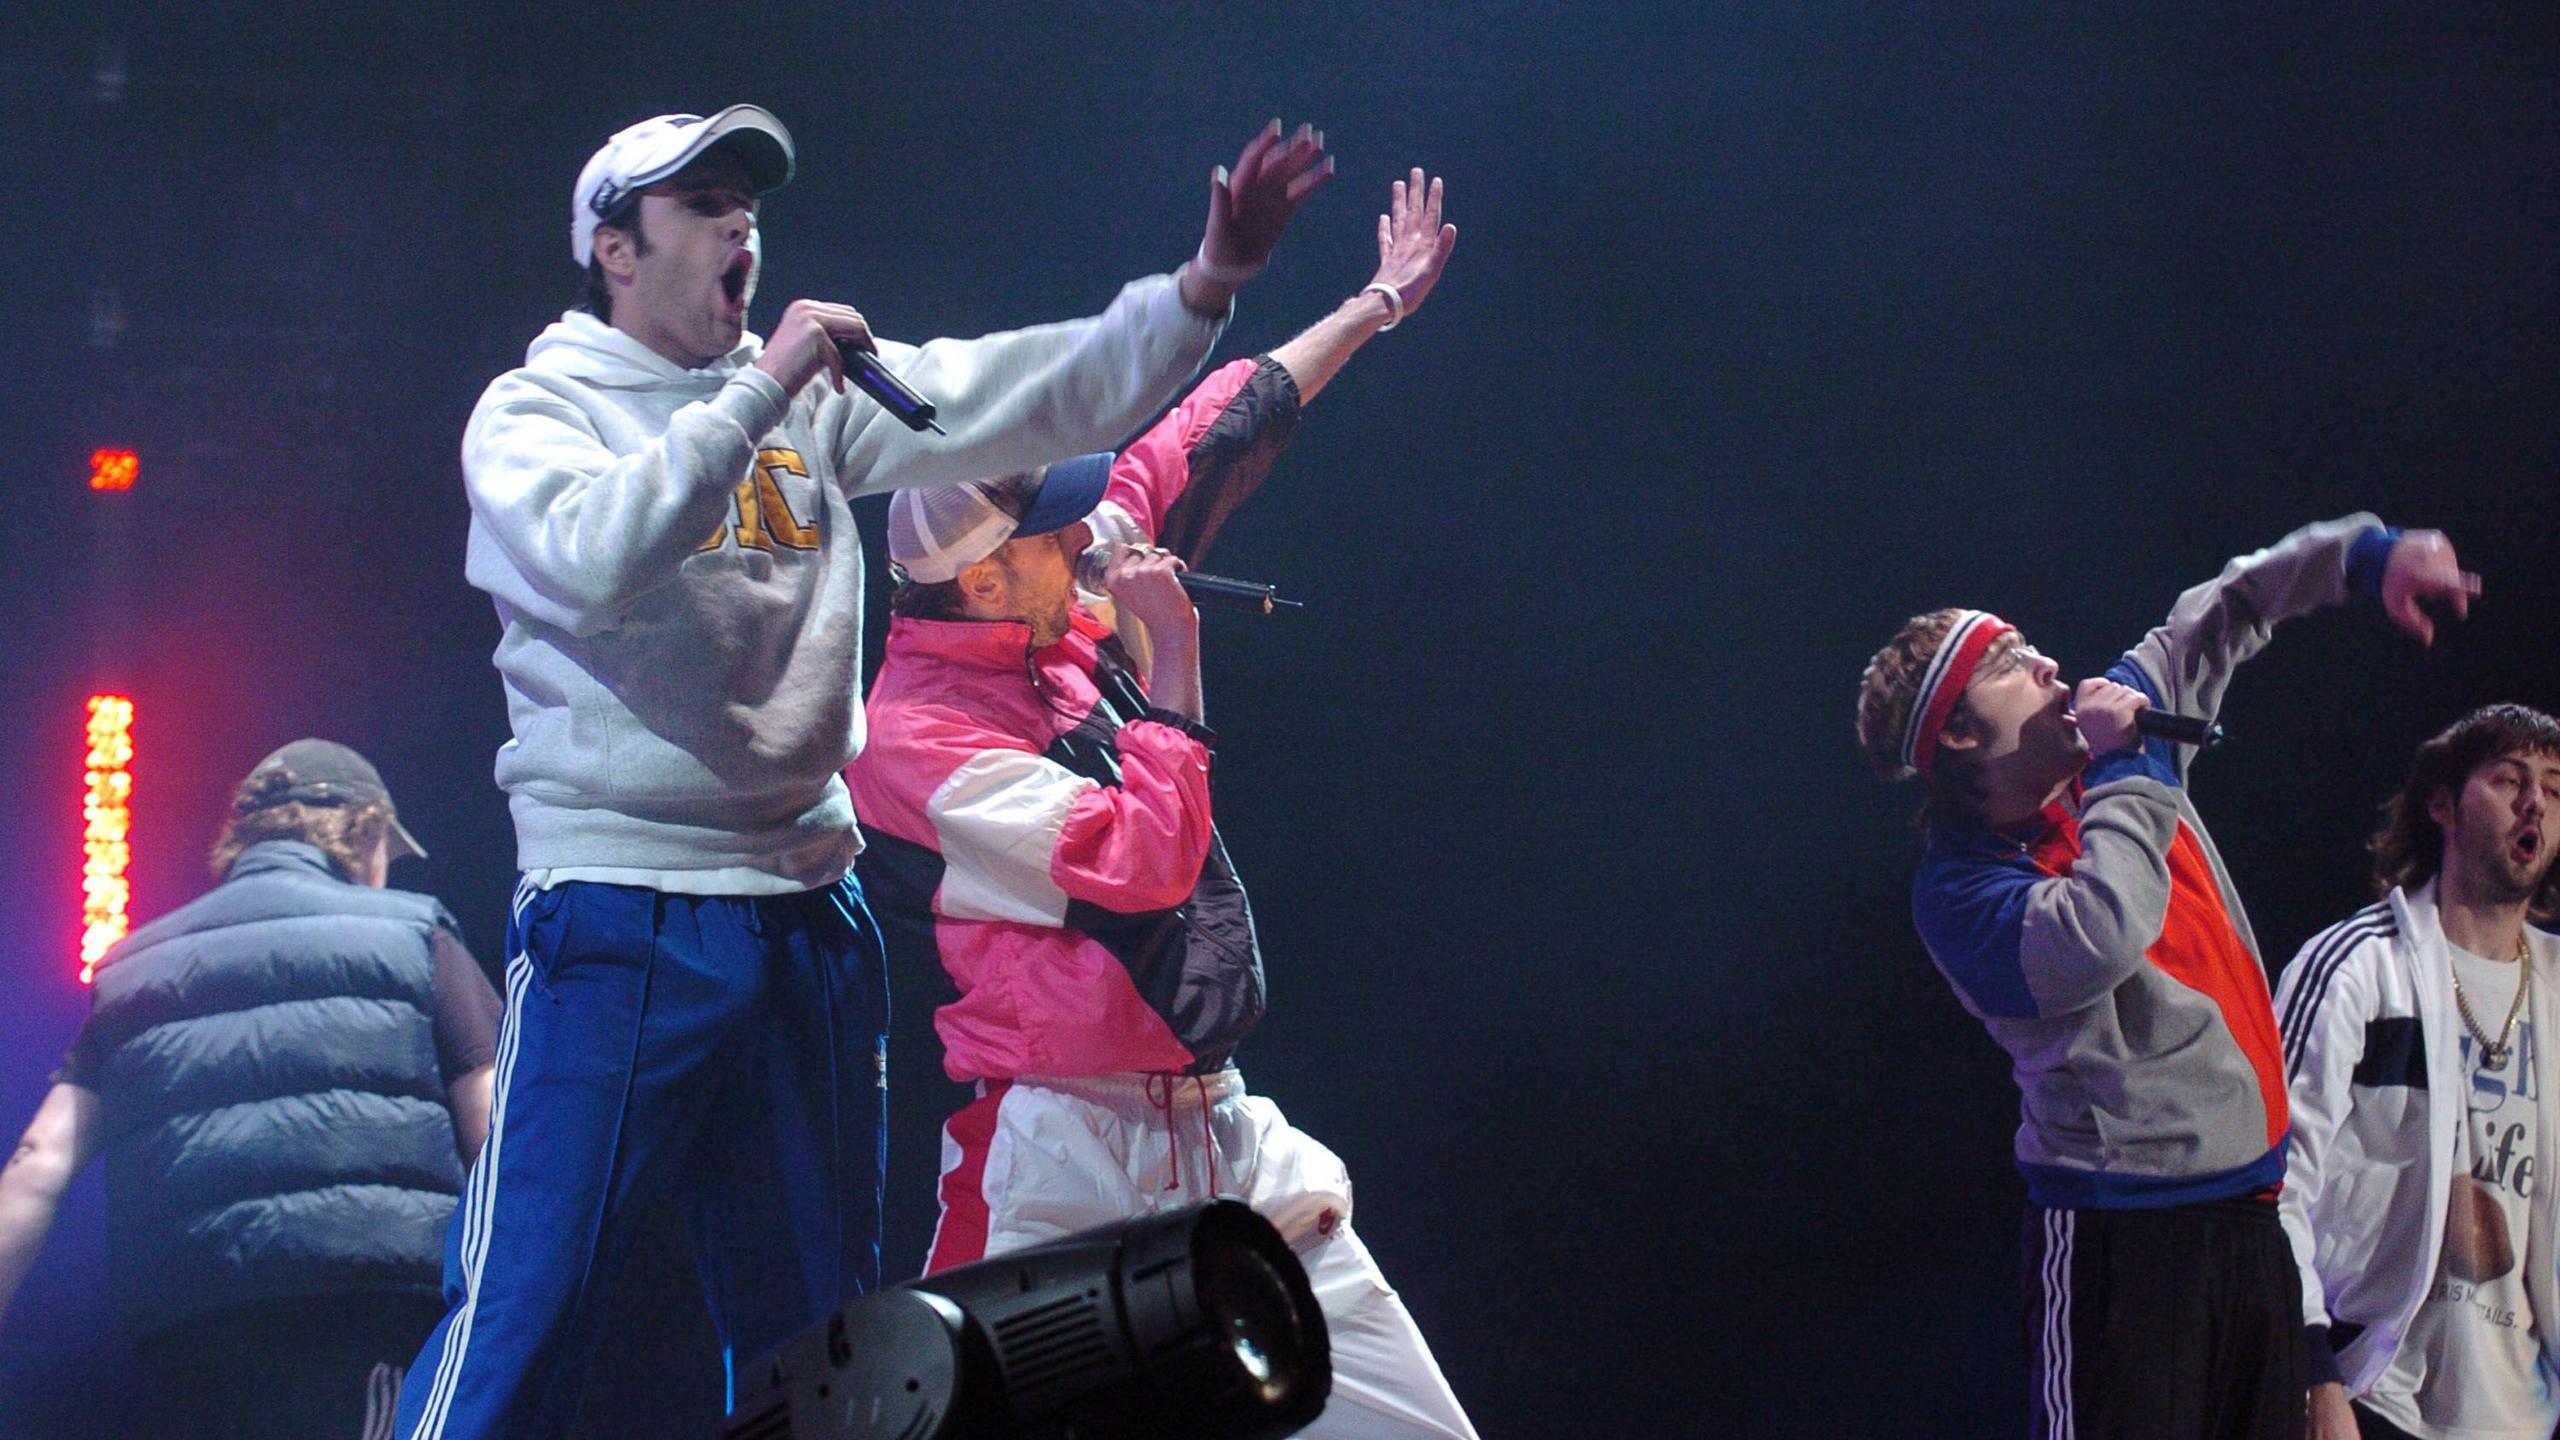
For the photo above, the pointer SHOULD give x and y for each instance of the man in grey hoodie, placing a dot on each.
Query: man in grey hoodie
(659, 507)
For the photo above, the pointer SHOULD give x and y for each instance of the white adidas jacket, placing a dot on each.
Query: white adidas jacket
(2373, 1057)
(680, 585)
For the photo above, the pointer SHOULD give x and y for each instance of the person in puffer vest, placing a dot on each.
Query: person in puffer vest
(285, 1078)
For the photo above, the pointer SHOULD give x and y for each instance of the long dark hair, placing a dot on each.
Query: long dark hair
(2408, 850)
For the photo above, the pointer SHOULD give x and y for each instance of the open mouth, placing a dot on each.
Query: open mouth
(733, 277)
(2527, 846)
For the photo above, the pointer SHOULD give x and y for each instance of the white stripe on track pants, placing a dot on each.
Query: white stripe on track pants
(1040, 1158)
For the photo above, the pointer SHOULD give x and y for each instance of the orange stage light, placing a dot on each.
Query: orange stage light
(113, 469)
(107, 842)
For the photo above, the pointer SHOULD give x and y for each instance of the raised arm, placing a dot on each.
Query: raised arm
(1248, 208)
(1187, 476)
(58, 1142)
(2186, 663)
(1413, 246)
(1023, 398)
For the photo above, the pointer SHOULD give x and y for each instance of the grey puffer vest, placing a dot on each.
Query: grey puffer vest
(276, 1119)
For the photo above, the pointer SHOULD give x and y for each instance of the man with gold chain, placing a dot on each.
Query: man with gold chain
(2416, 1045)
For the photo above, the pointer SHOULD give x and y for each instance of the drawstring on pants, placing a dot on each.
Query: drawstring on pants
(1172, 1140)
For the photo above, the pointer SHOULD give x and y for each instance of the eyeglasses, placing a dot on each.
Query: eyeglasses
(2008, 656)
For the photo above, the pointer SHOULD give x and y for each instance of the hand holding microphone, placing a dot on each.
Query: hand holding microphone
(1214, 591)
(805, 344)
(1146, 584)
(2106, 713)
(2117, 717)
(816, 337)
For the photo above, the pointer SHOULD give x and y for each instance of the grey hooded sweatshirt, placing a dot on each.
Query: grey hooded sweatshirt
(680, 585)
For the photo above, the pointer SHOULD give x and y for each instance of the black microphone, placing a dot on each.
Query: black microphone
(1209, 592)
(874, 379)
(1219, 592)
(2178, 729)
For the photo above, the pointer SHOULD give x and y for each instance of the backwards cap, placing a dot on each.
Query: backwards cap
(937, 531)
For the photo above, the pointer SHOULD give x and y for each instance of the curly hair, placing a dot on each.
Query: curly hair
(1885, 696)
(1892, 683)
(346, 832)
(2408, 850)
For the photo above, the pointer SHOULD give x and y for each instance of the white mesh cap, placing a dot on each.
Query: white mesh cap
(940, 530)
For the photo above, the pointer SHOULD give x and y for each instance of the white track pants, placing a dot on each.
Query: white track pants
(1038, 1159)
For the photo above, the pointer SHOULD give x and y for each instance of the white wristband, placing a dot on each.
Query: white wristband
(1395, 303)
(1216, 274)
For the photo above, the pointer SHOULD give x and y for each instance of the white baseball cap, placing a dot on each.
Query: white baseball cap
(656, 148)
(937, 531)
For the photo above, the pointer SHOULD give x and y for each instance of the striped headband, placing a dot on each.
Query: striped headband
(1950, 670)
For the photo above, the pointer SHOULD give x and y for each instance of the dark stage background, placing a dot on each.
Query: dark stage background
(1769, 325)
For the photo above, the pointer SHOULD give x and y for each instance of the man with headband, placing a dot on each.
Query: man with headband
(2071, 896)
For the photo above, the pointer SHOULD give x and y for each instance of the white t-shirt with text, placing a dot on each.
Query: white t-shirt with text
(2471, 1366)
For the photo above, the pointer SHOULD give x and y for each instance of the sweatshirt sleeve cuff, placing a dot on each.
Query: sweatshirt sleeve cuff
(2324, 1361)
(2367, 556)
(2143, 761)
(754, 400)
(1171, 310)
(2153, 759)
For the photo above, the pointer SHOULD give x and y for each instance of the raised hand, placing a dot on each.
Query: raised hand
(1412, 243)
(1248, 208)
(2422, 574)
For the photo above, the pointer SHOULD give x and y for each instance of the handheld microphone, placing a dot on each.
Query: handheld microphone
(865, 370)
(2178, 729)
(1209, 592)
(1219, 592)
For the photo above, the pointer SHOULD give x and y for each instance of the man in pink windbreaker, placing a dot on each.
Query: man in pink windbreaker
(1036, 814)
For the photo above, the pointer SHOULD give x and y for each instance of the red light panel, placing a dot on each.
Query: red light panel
(107, 840)
(113, 469)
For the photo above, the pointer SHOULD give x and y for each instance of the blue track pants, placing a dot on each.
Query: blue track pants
(727, 1049)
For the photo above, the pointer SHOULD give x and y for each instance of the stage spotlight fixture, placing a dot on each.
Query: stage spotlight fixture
(1197, 1324)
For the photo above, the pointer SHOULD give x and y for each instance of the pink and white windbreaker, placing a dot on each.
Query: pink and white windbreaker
(1041, 839)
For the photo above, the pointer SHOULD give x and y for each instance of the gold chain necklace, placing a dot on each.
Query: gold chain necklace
(2493, 1053)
